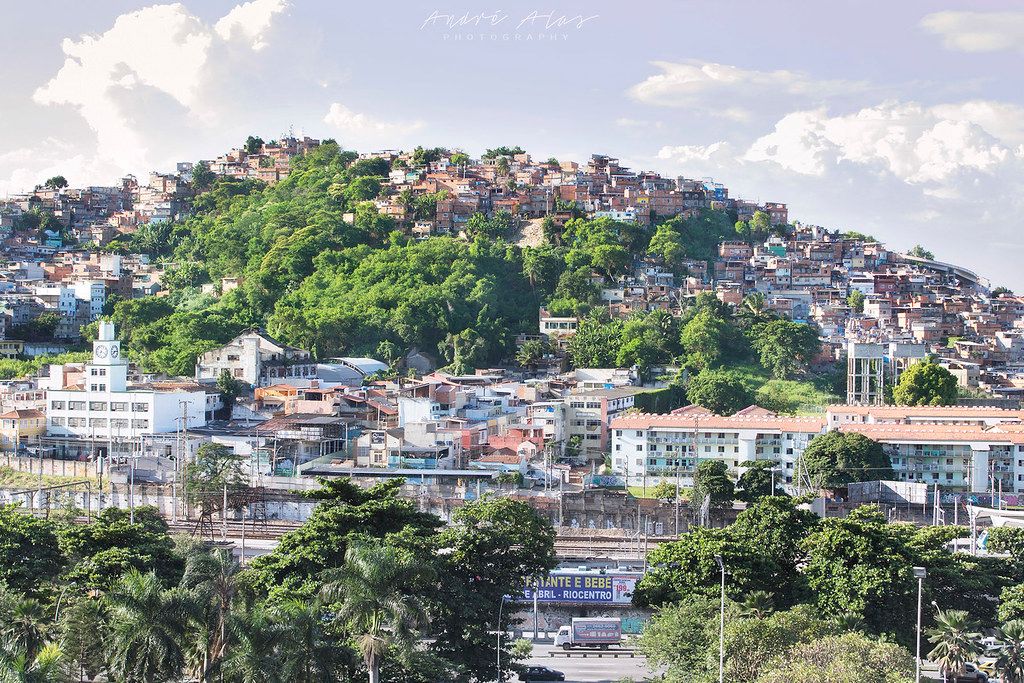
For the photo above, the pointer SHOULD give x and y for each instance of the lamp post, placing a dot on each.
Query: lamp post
(721, 624)
(919, 573)
(500, 608)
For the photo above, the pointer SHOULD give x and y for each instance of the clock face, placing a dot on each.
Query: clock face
(114, 352)
(101, 351)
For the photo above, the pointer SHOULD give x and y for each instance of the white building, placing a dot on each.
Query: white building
(104, 407)
(650, 448)
(258, 359)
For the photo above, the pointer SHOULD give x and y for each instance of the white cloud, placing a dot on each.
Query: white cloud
(683, 154)
(162, 49)
(731, 91)
(346, 120)
(250, 20)
(937, 146)
(977, 31)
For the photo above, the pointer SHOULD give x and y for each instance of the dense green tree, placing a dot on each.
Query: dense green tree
(29, 551)
(760, 223)
(503, 152)
(253, 144)
(861, 565)
(856, 301)
(202, 176)
(108, 547)
(215, 469)
(493, 548)
(925, 383)
(850, 658)
(839, 458)
(758, 481)
(667, 244)
(293, 568)
(921, 252)
(720, 391)
(679, 636)
(785, 347)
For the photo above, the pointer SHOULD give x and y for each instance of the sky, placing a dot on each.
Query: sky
(904, 120)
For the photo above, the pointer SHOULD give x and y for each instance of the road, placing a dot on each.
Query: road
(590, 669)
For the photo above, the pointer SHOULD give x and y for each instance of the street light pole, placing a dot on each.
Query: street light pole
(500, 608)
(721, 624)
(919, 573)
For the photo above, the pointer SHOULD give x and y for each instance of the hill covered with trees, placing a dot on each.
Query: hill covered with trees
(322, 269)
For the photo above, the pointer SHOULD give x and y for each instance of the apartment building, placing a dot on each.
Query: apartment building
(648, 448)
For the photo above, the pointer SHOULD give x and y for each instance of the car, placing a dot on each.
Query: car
(541, 673)
(973, 674)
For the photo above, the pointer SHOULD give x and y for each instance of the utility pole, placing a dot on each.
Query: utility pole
(224, 516)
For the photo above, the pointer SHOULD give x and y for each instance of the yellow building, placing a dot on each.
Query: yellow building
(24, 426)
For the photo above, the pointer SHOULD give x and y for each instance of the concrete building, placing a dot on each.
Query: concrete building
(649, 448)
(103, 406)
(871, 367)
(256, 358)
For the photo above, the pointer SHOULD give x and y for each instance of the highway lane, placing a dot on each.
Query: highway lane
(592, 668)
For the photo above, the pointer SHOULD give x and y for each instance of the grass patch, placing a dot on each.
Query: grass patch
(16, 479)
(799, 397)
(648, 492)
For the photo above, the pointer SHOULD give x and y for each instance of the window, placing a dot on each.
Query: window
(57, 421)
(98, 422)
(618, 432)
(97, 405)
(140, 407)
(119, 407)
(140, 424)
(618, 446)
(232, 356)
(99, 372)
(119, 423)
(76, 405)
(639, 433)
(76, 422)
(57, 405)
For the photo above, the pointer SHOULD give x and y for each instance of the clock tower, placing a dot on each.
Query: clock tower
(108, 369)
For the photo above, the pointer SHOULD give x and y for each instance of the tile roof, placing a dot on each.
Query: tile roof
(812, 425)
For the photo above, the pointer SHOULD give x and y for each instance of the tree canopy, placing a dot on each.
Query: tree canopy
(925, 383)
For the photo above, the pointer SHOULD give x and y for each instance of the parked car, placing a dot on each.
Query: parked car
(541, 673)
(972, 675)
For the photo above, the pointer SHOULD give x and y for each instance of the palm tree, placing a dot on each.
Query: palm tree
(148, 627)
(212, 578)
(255, 657)
(955, 636)
(1010, 661)
(24, 626)
(374, 602)
(757, 605)
(308, 653)
(46, 667)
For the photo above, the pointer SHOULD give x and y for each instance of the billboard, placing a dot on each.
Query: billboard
(584, 587)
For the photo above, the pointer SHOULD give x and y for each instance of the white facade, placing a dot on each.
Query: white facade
(103, 407)
(655, 447)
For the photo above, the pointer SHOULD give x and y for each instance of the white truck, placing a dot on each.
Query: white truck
(595, 632)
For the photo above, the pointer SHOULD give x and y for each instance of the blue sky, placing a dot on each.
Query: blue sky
(901, 119)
